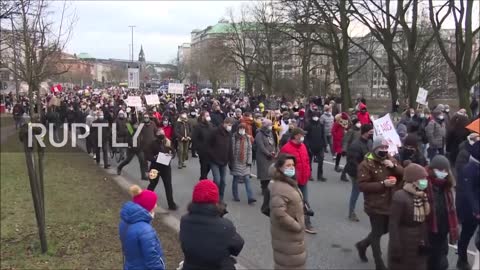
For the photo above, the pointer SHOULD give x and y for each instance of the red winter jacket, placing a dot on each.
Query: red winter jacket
(363, 118)
(168, 132)
(302, 168)
(337, 136)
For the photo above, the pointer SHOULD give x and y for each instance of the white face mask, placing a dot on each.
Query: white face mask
(241, 131)
(422, 115)
(358, 125)
(165, 123)
(315, 118)
(441, 117)
(208, 118)
(152, 214)
(228, 128)
(302, 139)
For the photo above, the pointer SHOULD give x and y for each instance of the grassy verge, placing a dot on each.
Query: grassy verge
(82, 205)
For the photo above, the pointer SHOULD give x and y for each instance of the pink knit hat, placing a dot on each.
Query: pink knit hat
(145, 198)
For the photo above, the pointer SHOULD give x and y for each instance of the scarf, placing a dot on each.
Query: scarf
(451, 212)
(421, 207)
(242, 148)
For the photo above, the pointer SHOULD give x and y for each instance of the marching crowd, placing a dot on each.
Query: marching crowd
(420, 196)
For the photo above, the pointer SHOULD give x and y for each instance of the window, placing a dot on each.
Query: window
(5, 76)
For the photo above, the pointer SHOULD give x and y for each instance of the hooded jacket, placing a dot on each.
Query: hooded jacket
(302, 168)
(140, 244)
(364, 118)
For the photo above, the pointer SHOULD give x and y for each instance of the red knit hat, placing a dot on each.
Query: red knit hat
(205, 191)
(145, 198)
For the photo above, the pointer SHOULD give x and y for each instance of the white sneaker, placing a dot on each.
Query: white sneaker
(94, 156)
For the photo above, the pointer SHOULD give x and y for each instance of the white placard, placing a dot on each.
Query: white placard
(176, 88)
(152, 99)
(422, 96)
(133, 78)
(164, 159)
(384, 127)
(134, 101)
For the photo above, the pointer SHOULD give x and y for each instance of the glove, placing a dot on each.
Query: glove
(388, 163)
(249, 165)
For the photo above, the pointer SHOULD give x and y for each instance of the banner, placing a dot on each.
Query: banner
(422, 96)
(176, 88)
(152, 99)
(134, 101)
(384, 127)
(133, 78)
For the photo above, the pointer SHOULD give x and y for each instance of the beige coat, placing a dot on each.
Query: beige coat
(287, 223)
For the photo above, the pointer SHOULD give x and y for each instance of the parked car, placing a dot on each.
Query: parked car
(224, 91)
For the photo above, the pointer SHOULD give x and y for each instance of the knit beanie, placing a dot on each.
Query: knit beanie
(365, 128)
(475, 150)
(414, 172)
(266, 122)
(379, 141)
(205, 191)
(439, 162)
(145, 198)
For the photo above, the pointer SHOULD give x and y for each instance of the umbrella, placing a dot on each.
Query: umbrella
(474, 126)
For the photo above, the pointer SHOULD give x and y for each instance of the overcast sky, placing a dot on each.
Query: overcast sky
(102, 31)
(102, 28)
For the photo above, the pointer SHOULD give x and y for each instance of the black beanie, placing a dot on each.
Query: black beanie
(365, 128)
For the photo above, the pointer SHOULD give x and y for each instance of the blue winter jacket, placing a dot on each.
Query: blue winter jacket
(140, 244)
(468, 191)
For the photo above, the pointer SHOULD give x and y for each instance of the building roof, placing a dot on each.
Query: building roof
(219, 28)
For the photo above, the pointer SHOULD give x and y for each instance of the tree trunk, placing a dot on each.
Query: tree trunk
(463, 95)
(412, 88)
(392, 81)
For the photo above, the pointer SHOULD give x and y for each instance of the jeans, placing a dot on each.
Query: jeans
(328, 139)
(248, 188)
(182, 152)
(219, 173)
(354, 194)
(304, 190)
(469, 225)
(379, 227)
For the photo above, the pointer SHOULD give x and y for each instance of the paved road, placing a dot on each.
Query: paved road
(331, 248)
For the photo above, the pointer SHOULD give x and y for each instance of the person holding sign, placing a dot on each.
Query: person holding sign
(160, 153)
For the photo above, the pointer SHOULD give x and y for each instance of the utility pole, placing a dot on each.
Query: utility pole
(131, 27)
(15, 73)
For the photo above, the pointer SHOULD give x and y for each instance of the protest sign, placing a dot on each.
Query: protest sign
(384, 127)
(152, 99)
(176, 88)
(134, 101)
(422, 96)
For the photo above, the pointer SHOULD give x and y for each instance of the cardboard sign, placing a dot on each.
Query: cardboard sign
(152, 99)
(134, 101)
(176, 88)
(422, 96)
(384, 127)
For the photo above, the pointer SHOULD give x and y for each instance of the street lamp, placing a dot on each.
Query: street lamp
(131, 27)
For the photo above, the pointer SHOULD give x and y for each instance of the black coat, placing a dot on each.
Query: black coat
(200, 138)
(208, 241)
(106, 133)
(315, 138)
(219, 146)
(217, 118)
(355, 154)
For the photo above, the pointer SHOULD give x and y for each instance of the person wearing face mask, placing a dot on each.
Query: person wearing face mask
(156, 114)
(241, 162)
(167, 128)
(217, 116)
(446, 112)
(103, 141)
(435, 132)
(287, 223)
(161, 144)
(286, 136)
(442, 222)
(122, 133)
(192, 121)
(352, 134)
(183, 135)
(410, 152)
(219, 147)
(297, 148)
(464, 152)
(141, 246)
(147, 134)
(356, 151)
(265, 154)
(338, 131)
(379, 176)
(327, 121)
(200, 138)
(409, 212)
(316, 144)
(89, 140)
(467, 201)
(284, 122)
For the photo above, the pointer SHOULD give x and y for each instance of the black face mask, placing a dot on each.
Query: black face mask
(409, 152)
(370, 137)
(363, 111)
(160, 137)
(382, 154)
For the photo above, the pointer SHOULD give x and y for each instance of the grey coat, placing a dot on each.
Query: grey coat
(435, 134)
(265, 145)
(240, 167)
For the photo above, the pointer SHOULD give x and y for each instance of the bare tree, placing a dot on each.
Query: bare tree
(40, 43)
(465, 61)
(242, 34)
(9, 8)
